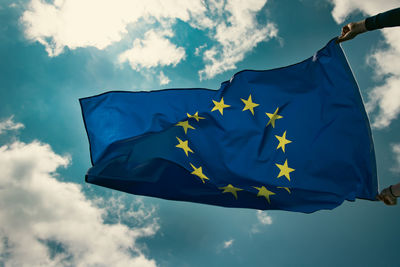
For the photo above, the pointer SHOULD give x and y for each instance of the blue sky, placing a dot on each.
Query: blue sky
(54, 52)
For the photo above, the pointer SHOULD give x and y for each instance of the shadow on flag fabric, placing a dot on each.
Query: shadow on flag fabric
(295, 138)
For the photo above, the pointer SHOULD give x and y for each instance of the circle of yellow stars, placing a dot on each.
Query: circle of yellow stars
(284, 169)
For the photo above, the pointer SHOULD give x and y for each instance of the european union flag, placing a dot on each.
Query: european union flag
(295, 138)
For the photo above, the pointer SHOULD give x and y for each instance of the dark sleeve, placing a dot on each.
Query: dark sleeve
(389, 18)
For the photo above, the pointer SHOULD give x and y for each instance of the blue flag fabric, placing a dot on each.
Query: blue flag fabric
(295, 138)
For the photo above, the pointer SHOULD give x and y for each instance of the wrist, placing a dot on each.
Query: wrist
(361, 26)
(391, 192)
(395, 189)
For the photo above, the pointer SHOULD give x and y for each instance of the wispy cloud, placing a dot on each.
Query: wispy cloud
(152, 51)
(163, 79)
(385, 98)
(76, 23)
(199, 49)
(235, 36)
(9, 125)
(47, 222)
(263, 220)
(226, 245)
(231, 26)
(396, 152)
(229, 243)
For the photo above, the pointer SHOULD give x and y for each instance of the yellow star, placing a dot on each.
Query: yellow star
(264, 192)
(284, 170)
(282, 141)
(195, 116)
(286, 188)
(199, 172)
(185, 125)
(220, 106)
(273, 117)
(249, 105)
(230, 189)
(184, 145)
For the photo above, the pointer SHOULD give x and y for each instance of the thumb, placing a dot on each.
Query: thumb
(343, 37)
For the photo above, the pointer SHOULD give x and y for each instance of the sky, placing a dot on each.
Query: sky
(53, 52)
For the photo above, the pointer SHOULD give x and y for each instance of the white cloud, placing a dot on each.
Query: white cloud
(77, 23)
(163, 79)
(396, 152)
(384, 98)
(199, 49)
(236, 36)
(9, 124)
(263, 217)
(229, 243)
(154, 50)
(343, 8)
(387, 98)
(225, 245)
(46, 222)
(134, 213)
(263, 220)
(231, 25)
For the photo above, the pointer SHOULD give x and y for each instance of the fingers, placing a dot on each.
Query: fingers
(348, 33)
(390, 202)
(346, 37)
(340, 39)
(351, 30)
(387, 199)
(345, 29)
